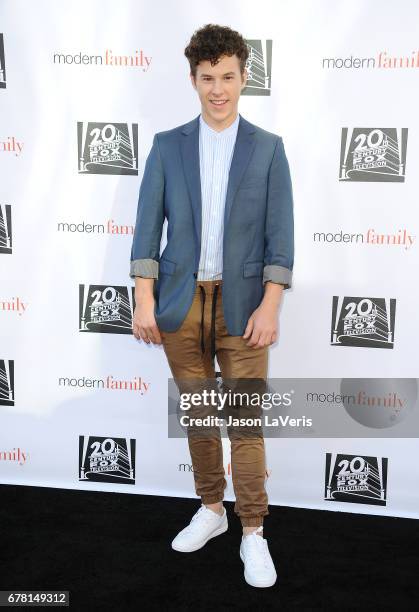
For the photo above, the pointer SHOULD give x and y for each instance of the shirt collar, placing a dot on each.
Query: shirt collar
(231, 129)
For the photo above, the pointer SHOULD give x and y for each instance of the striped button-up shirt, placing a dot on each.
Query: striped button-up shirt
(215, 155)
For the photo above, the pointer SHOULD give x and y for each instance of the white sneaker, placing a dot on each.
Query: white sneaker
(205, 524)
(259, 569)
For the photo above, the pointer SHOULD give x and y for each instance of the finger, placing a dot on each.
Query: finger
(159, 339)
(249, 328)
(254, 337)
(262, 342)
(265, 339)
(144, 335)
(155, 335)
(150, 334)
(268, 338)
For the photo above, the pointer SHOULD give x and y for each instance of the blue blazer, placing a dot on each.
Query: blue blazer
(258, 240)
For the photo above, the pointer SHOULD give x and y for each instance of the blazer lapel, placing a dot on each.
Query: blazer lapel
(191, 169)
(243, 149)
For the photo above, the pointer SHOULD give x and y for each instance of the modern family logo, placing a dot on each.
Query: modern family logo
(11, 145)
(13, 305)
(382, 60)
(371, 237)
(110, 227)
(360, 398)
(188, 467)
(16, 455)
(108, 58)
(110, 383)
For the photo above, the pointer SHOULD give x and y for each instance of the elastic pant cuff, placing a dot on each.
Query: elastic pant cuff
(212, 499)
(251, 521)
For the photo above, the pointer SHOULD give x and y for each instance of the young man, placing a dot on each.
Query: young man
(224, 186)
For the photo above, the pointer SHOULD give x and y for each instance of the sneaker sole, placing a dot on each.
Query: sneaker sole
(254, 583)
(217, 532)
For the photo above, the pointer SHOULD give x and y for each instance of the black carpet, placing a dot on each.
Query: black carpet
(112, 551)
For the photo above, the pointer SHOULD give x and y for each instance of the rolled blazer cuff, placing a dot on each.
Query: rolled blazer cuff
(277, 274)
(146, 268)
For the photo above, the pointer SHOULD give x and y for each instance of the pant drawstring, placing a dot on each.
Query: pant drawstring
(202, 317)
(213, 311)
(213, 307)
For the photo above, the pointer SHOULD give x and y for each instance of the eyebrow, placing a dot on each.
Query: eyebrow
(225, 74)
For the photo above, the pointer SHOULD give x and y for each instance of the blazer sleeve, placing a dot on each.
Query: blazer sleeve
(279, 227)
(145, 250)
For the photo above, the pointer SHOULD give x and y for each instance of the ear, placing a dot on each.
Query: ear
(192, 80)
(244, 78)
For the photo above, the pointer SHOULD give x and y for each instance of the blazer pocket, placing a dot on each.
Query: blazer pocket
(257, 183)
(166, 266)
(253, 268)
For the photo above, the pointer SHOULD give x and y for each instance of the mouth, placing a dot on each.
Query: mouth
(218, 102)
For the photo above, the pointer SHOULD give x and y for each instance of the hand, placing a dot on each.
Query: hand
(262, 326)
(144, 325)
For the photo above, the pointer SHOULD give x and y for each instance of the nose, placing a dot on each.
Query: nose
(217, 90)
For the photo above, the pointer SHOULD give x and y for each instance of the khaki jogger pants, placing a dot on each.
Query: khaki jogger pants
(189, 351)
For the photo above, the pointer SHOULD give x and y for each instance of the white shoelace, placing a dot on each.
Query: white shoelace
(256, 550)
(203, 514)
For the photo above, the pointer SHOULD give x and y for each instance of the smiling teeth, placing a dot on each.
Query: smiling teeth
(218, 101)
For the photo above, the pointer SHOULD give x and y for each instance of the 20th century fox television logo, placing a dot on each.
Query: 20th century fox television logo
(363, 321)
(107, 459)
(7, 382)
(2, 63)
(359, 479)
(5, 229)
(107, 148)
(106, 308)
(259, 68)
(373, 154)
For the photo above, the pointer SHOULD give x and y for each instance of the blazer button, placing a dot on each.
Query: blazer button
(195, 274)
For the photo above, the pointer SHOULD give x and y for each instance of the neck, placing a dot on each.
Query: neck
(218, 126)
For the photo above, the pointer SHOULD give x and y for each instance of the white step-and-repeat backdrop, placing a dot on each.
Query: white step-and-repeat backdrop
(84, 86)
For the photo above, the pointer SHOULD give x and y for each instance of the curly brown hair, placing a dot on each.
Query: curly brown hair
(211, 42)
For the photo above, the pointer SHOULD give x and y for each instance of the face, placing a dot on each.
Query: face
(219, 89)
